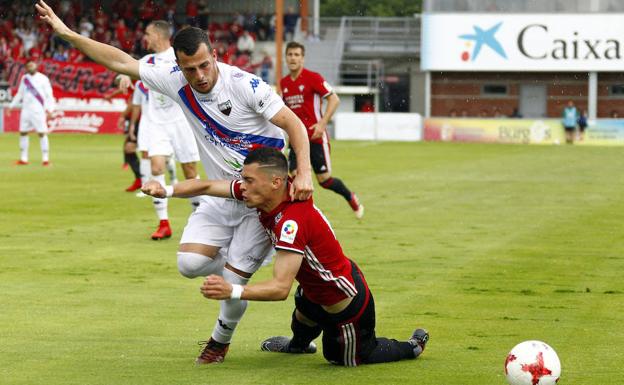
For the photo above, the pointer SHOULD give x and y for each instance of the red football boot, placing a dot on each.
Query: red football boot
(163, 231)
(45, 163)
(134, 186)
(213, 352)
(20, 163)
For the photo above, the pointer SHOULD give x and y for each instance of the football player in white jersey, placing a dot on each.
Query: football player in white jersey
(35, 95)
(231, 112)
(169, 132)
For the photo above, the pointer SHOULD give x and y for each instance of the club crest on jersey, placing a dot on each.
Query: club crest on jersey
(225, 107)
(289, 231)
(301, 87)
(285, 90)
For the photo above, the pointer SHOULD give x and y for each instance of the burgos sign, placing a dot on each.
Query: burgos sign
(522, 42)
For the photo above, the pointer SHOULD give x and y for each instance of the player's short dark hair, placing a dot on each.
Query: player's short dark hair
(188, 40)
(268, 157)
(294, 45)
(162, 27)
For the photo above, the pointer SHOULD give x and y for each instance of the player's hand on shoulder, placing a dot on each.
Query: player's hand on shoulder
(301, 187)
(215, 287)
(155, 189)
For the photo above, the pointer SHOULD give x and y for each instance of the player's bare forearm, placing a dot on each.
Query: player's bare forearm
(277, 289)
(109, 56)
(191, 188)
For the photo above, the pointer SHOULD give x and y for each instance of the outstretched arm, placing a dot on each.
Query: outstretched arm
(109, 56)
(190, 188)
(287, 265)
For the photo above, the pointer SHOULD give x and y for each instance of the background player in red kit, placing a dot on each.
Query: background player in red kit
(333, 296)
(303, 92)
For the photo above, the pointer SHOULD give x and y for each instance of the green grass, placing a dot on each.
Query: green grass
(484, 245)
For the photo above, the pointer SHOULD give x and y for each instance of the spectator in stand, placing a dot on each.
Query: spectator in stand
(265, 66)
(60, 54)
(203, 12)
(120, 30)
(16, 48)
(245, 44)
(515, 113)
(28, 36)
(262, 26)
(614, 114)
(290, 23)
(4, 49)
(192, 12)
(86, 27)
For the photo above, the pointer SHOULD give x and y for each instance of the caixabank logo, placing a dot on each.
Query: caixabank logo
(482, 37)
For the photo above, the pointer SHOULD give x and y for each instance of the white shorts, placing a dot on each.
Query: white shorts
(143, 136)
(230, 225)
(30, 122)
(173, 138)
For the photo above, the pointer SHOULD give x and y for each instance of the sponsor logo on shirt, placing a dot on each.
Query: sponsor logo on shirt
(254, 84)
(289, 231)
(238, 75)
(174, 69)
(234, 164)
(225, 107)
(278, 217)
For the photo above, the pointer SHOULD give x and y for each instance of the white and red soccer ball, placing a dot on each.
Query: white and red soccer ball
(532, 363)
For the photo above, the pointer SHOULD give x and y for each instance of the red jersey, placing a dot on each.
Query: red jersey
(304, 96)
(300, 227)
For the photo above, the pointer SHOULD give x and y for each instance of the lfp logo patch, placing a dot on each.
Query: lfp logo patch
(480, 38)
(289, 231)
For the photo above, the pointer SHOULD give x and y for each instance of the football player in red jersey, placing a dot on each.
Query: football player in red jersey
(332, 297)
(303, 92)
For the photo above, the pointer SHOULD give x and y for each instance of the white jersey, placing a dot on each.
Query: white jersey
(227, 122)
(160, 108)
(35, 94)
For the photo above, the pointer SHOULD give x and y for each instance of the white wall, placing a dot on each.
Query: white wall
(378, 126)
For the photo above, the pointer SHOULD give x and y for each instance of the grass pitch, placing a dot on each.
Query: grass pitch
(484, 245)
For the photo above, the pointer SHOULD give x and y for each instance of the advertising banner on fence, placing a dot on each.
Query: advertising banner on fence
(602, 132)
(522, 42)
(78, 80)
(93, 122)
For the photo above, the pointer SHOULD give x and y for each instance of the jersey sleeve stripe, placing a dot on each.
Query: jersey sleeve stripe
(290, 249)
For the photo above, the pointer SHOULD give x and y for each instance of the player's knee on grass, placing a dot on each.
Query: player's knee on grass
(193, 265)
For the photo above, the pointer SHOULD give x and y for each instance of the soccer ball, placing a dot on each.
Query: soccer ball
(532, 363)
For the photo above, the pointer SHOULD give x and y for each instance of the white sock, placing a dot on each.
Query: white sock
(192, 265)
(145, 167)
(45, 148)
(171, 168)
(231, 312)
(23, 143)
(160, 204)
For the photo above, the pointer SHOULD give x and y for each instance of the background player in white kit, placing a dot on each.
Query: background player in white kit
(166, 129)
(35, 94)
(231, 112)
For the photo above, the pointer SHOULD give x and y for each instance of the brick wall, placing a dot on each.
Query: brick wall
(463, 91)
